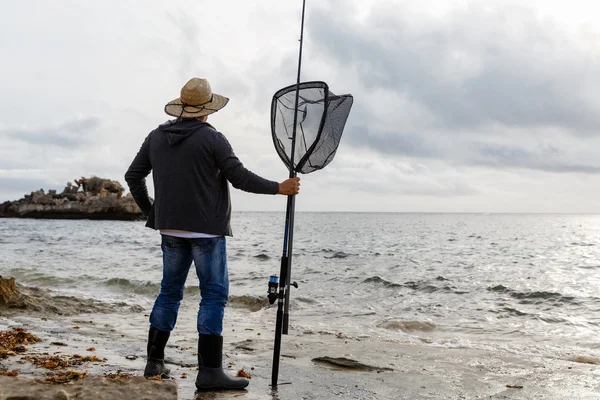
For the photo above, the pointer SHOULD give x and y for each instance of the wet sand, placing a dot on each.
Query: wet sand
(384, 369)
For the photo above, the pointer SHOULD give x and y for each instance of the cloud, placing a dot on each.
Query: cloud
(495, 86)
(544, 159)
(23, 185)
(406, 144)
(14, 188)
(189, 43)
(365, 172)
(477, 65)
(71, 134)
(458, 105)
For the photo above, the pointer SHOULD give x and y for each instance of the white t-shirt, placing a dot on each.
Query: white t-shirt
(186, 234)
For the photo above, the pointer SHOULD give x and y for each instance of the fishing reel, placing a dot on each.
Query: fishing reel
(272, 290)
(273, 286)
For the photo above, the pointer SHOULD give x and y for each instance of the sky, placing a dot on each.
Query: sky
(459, 106)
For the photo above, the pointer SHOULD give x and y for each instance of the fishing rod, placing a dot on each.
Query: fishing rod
(282, 321)
(319, 131)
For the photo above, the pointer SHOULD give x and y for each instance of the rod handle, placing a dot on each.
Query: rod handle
(286, 321)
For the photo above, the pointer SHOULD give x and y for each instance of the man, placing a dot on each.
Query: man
(192, 163)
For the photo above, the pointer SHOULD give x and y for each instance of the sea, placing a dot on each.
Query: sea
(522, 283)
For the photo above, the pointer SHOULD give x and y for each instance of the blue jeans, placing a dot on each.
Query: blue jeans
(210, 258)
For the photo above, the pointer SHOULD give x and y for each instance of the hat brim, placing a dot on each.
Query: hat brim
(175, 108)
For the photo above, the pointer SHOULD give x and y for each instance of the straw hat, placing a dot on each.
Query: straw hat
(196, 100)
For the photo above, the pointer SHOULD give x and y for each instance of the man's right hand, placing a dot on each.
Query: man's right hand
(289, 187)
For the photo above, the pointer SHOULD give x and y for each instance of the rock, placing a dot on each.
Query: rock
(61, 395)
(45, 200)
(9, 294)
(347, 363)
(95, 185)
(100, 199)
(36, 196)
(95, 387)
(247, 345)
(70, 189)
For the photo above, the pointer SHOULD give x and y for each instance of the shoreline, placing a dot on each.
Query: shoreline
(418, 371)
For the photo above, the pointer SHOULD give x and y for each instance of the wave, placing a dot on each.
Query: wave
(28, 276)
(251, 303)
(47, 302)
(535, 297)
(589, 266)
(514, 312)
(421, 286)
(142, 287)
(137, 287)
(417, 286)
(307, 300)
(153, 288)
(429, 288)
(262, 257)
(380, 281)
(553, 320)
(340, 254)
(407, 326)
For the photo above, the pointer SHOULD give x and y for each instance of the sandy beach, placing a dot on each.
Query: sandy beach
(315, 364)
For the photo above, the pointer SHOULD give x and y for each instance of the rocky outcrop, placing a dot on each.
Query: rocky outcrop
(9, 294)
(88, 198)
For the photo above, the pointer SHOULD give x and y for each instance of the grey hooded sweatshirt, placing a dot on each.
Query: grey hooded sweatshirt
(191, 163)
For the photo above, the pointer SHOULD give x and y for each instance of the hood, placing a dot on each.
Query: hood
(179, 130)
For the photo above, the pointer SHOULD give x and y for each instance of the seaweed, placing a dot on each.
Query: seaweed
(62, 377)
(63, 361)
(14, 341)
(242, 373)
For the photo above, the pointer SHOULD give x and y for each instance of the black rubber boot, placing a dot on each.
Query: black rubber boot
(155, 365)
(210, 371)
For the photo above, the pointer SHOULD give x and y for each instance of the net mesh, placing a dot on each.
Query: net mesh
(321, 119)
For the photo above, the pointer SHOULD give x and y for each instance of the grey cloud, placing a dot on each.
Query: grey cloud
(399, 182)
(466, 152)
(12, 164)
(504, 155)
(471, 71)
(189, 58)
(407, 144)
(474, 88)
(12, 187)
(71, 134)
(547, 159)
(447, 189)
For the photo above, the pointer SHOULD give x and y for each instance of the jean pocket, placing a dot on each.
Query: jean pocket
(173, 241)
(204, 244)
